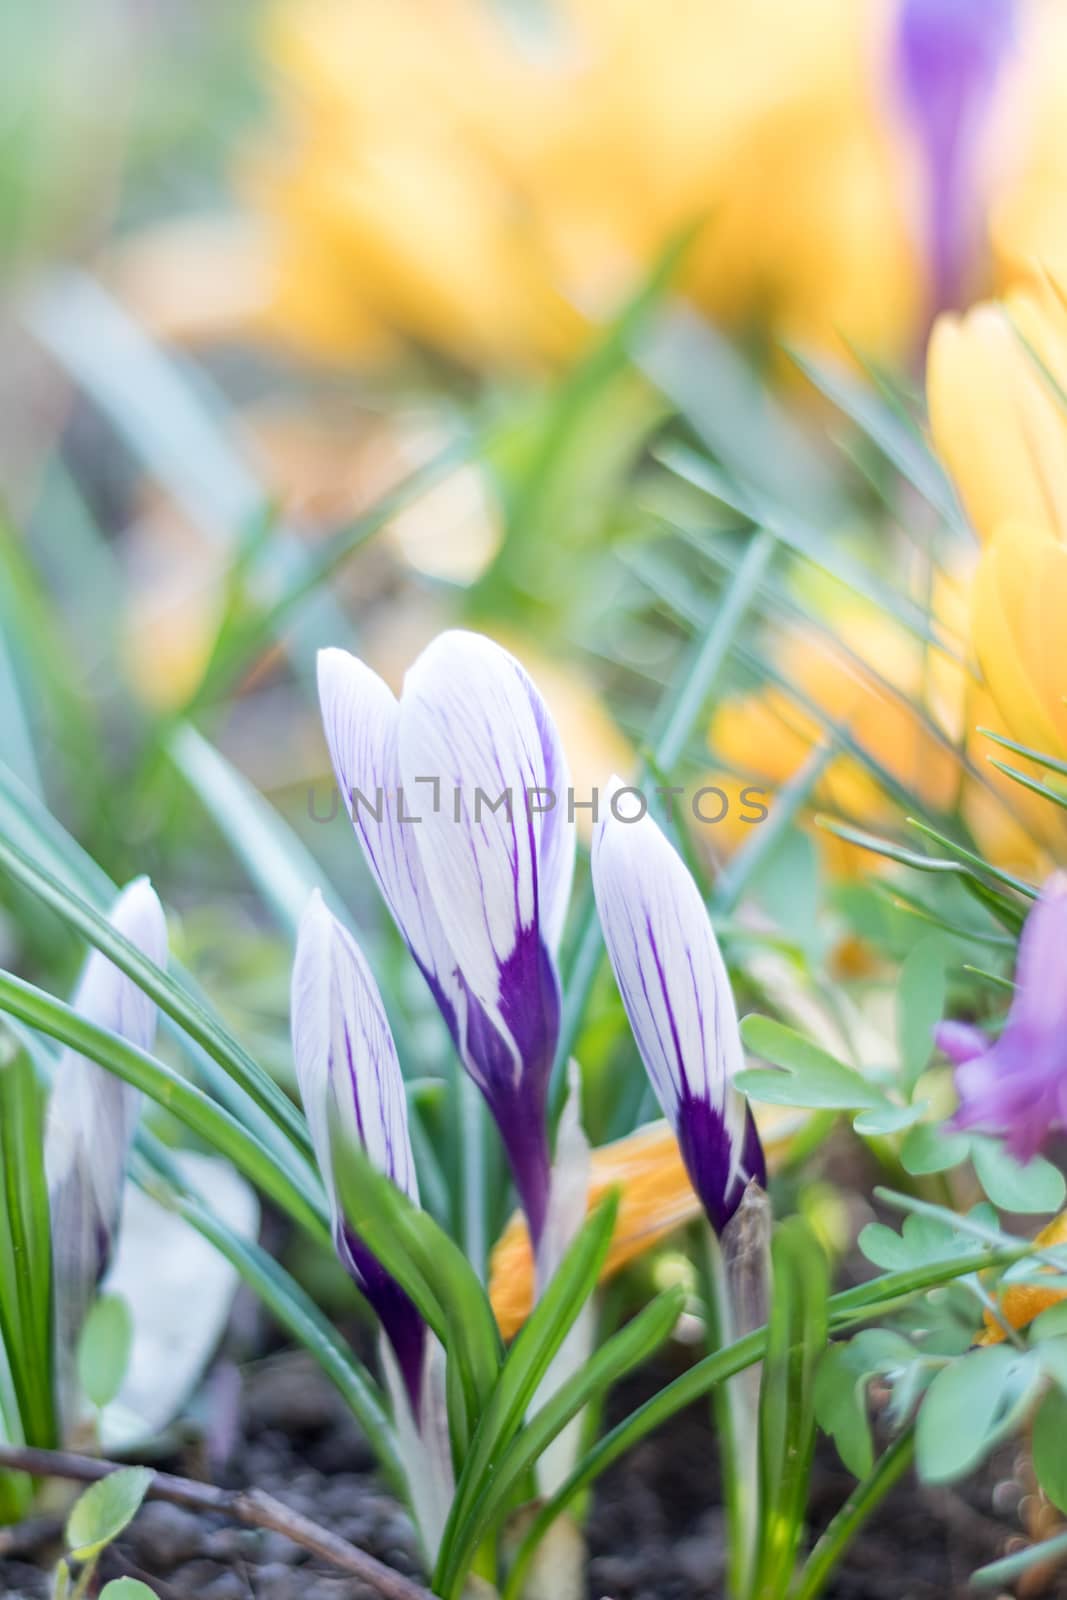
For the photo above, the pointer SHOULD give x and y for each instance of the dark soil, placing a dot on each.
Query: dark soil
(651, 1533)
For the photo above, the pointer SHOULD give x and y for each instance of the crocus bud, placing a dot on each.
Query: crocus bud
(458, 794)
(92, 1116)
(1016, 1085)
(347, 1070)
(677, 996)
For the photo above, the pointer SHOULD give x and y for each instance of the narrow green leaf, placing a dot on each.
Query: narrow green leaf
(618, 1355)
(527, 1363)
(105, 1509)
(176, 1002)
(296, 1313)
(25, 1246)
(796, 1339)
(433, 1271)
(1049, 1455)
(161, 1083)
(846, 1308)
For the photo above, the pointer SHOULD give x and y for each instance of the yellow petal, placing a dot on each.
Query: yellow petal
(997, 422)
(1022, 1302)
(1006, 634)
(656, 1198)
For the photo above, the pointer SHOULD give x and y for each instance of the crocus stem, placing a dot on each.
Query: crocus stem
(865, 1497)
(250, 1506)
(736, 1404)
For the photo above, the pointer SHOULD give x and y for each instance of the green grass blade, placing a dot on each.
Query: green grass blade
(299, 1199)
(525, 1368)
(846, 1309)
(25, 1246)
(283, 870)
(616, 1356)
(434, 1273)
(178, 1004)
(287, 1302)
(796, 1338)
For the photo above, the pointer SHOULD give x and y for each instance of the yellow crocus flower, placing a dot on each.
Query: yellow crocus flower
(768, 734)
(1020, 593)
(995, 384)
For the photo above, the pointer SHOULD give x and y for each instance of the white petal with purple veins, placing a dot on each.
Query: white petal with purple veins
(92, 1116)
(361, 718)
(679, 1001)
(346, 1061)
(471, 717)
(667, 961)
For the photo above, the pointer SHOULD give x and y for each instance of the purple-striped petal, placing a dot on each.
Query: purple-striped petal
(361, 719)
(678, 998)
(92, 1116)
(347, 1069)
(949, 54)
(499, 866)
(477, 885)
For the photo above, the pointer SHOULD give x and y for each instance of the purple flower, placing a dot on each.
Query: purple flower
(1016, 1086)
(677, 996)
(347, 1069)
(949, 54)
(479, 884)
(92, 1116)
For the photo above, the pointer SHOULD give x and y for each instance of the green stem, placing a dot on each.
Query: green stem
(847, 1308)
(865, 1497)
(736, 1405)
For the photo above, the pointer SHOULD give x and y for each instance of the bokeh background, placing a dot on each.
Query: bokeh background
(598, 325)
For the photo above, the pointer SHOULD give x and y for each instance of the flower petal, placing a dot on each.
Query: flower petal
(346, 1061)
(499, 869)
(949, 56)
(678, 998)
(361, 718)
(92, 1116)
(347, 1067)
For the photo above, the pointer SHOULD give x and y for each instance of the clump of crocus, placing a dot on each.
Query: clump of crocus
(677, 995)
(350, 1081)
(92, 1117)
(1016, 1085)
(479, 884)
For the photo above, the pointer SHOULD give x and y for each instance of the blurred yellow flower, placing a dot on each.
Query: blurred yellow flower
(995, 383)
(910, 711)
(656, 1198)
(1022, 1302)
(448, 175)
(1019, 597)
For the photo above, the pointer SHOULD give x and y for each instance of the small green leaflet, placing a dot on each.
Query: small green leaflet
(1050, 1457)
(105, 1509)
(1036, 1186)
(104, 1349)
(920, 1004)
(969, 1405)
(809, 1076)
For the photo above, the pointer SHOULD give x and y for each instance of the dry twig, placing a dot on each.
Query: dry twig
(250, 1506)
